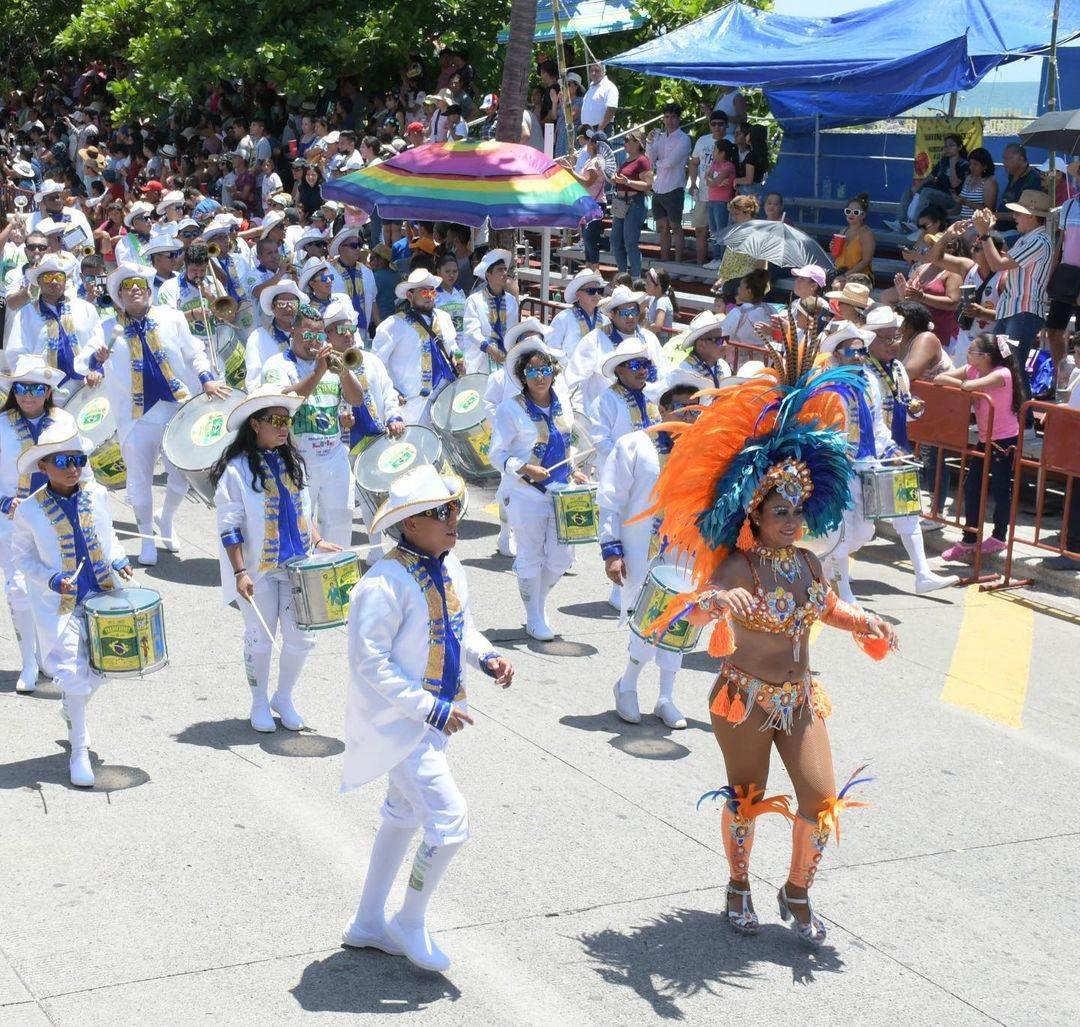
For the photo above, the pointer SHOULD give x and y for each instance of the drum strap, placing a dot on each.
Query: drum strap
(590, 322)
(553, 434)
(643, 414)
(496, 315)
(657, 542)
(366, 417)
(893, 401)
(73, 521)
(225, 261)
(446, 623)
(62, 338)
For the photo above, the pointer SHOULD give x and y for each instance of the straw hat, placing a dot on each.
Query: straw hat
(418, 279)
(59, 437)
(32, 369)
(52, 262)
(844, 331)
(1032, 201)
(285, 287)
(261, 398)
(620, 297)
(418, 489)
(629, 349)
(582, 278)
(491, 258)
(853, 294)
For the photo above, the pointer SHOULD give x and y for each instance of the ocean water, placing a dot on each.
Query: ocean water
(992, 99)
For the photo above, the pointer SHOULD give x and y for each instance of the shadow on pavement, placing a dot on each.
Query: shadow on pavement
(478, 529)
(517, 639)
(228, 734)
(649, 740)
(368, 981)
(45, 688)
(596, 610)
(495, 562)
(53, 770)
(191, 570)
(680, 954)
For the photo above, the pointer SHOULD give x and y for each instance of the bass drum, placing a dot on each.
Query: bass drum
(386, 458)
(458, 416)
(197, 435)
(93, 415)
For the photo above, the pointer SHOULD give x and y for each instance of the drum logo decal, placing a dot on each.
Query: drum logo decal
(466, 401)
(93, 413)
(208, 428)
(397, 457)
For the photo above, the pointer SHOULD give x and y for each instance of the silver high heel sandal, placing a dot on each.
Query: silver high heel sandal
(745, 922)
(812, 933)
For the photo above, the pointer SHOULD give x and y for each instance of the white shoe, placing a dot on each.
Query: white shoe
(669, 713)
(418, 947)
(27, 680)
(537, 627)
(713, 265)
(82, 774)
(168, 539)
(147, 553)
(626, 705)
(614, 599)
(506, 545)
(261, 717)
(370, 936)
(931, 582)
(926, 524)
(283, 706)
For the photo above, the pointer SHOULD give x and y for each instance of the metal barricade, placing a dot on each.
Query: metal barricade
(945, 424)
(1058, 458)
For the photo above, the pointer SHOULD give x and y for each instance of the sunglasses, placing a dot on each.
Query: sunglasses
(425, 291)
(287, 301)
(133, 283)
(853, 212)
(30, 389)
(629, 311)
(351, 245)
(633, 366)
(544, 371)
(314, 336)
(443, 513)
(676, 407)
(278, 421)
(35, 247)
(189, 233)
(852, 351)
(326, 279)
(316, 243)
(342, 329)
(53, 278)
(62, 461)
(592, 290)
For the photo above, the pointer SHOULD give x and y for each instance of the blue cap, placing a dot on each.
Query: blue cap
(206, 209)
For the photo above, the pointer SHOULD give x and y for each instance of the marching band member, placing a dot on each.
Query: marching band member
(229, 270)
(27, 412)
(269, 268)
(54, 241)
(584, 372)
(193, 292)
(489, 311)
(264, 521)
(531, 433)
(166, 254)
(129, 248)
(318, 279)
(312, 244)
(417, 346)
(625, 405)
(870, 435)
(706, 341)
(279, 303)
(56, 325)
(568, 327)
(303, 369)
(64, 544)
(449, 298)
(357, 281)
(629, 546)
(155, 364)
(17, 288)
(50, 201)
(411, 635)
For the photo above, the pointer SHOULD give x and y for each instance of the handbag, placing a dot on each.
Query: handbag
(619, 206)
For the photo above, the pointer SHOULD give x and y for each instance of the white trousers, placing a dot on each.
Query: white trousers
(68, 661)
(274, 599)
(140, 450)
(539, 550)
(329, 483)
(422, 792)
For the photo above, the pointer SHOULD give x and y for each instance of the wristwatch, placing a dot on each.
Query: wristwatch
(983, 238)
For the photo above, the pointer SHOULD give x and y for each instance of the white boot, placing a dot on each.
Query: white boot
(665, 707)
(79, 769)
(163, 521)
(614, 599)
(925, 579)
(533, 595)
(23, 620)
(367, 928)
(148, 553)
(843, 579)
(257, 666)
(409, 928)
(506, 545)
(290, 664)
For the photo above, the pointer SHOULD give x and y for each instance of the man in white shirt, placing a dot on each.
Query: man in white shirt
(669, 151)
(600, 101)
(348, 157)
(50, 201)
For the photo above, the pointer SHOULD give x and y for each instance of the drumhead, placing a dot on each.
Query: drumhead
(460, 406)
(318, 560)
(674, 579)
(123, 600)
(93, 414)
(196, 436)
(386, 458)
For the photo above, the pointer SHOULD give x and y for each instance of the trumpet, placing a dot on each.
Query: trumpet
(225, 309)
(352, 358)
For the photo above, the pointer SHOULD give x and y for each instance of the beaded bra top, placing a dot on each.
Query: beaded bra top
(778, 613)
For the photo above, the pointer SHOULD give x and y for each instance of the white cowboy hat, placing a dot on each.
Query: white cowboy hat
(32, 369)
(747, 369)
(843, 331)
(620, 297)
(489, 259)
(339, 310)
(162, 242)
(313, 266)
(48, 187)
(526, 326)
(629, 349)
(705, 322)
(270, 222)
(681, 377)
(123, 271)
(309, 235)
(218, 226)
(136, 210)
(331, 205)
(22, 169)
(53, 262)
(418, 279)
(285, 286)
(882, 317)
(283, 199)
(176, 227)
(418, 489)
(529, 336)
(583, 277)
(58, 437)
(171, 199)
(260, 398)
(352, 231)
(853, 294)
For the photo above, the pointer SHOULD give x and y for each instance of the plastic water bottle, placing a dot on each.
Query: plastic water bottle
(826, 189)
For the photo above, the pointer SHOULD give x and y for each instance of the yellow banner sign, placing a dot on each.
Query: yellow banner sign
(930, 134)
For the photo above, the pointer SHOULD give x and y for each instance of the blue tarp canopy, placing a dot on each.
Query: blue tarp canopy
(857, 67)
(583, 18)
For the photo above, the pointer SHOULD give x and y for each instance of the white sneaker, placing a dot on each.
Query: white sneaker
(669, 713)
(168, 538)
(626, 705)
(148, 553)
(283, 706)
(261, 717)
(27, 680)
(713, 265)
(614, 599)
(79, 769)
(370, 936)
(506, 545)
(417, 946)
(932, 582)
(926, 524)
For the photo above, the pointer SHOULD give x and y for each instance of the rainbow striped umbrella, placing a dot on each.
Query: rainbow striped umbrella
(465, 182)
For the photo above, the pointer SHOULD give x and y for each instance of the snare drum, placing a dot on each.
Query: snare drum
(196, 436)
(386, 458)
(458, 416)
(661, 586)
(95, 419)
(230, 348)
(576, 515)
(125, 632)
(892, 490)
(321, 585)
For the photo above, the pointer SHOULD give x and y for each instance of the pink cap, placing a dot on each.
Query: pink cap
(813, 272)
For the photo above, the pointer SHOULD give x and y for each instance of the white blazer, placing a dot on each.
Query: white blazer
(28, 329)
(584, 369)
(477, 329)
(259, 348)
(397, 345)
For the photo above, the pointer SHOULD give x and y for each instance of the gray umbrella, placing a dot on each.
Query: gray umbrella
(776, 242)
(1056, 130)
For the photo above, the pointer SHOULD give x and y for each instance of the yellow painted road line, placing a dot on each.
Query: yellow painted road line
(491, 508)
(992, 659)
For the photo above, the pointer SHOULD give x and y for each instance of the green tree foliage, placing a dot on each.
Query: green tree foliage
(27, 31)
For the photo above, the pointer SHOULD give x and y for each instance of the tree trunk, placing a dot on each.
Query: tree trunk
(515, 79)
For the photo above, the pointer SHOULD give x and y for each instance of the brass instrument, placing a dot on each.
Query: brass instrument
(352, 358)
(215, 250)
(224, 309)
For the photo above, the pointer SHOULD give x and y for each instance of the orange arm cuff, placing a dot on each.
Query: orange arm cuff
(846, 617)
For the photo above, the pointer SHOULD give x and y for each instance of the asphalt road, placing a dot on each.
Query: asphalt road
(208, 876)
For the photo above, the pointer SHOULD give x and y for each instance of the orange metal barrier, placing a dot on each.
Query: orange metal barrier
(1059, 458)
(945, 424)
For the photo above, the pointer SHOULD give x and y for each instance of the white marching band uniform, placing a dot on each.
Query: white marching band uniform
(570, 326)
(29, 332)
(264, 342)
(406, 350)
(584, 369)
(485, 321)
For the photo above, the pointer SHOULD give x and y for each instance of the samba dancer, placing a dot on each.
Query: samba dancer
(279, 303)
(264, 521)
(630, 545)
(489, 311)
(569, 327)
(411, 635)
(762, 461)
(531, 447)
(63, 542)
(27, 412)
(154, 365)
(356, 278)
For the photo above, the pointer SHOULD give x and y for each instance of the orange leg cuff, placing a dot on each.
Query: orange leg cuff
(738, 834)
(808, 842)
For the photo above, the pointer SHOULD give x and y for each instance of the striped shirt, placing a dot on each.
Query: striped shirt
(1023, 288)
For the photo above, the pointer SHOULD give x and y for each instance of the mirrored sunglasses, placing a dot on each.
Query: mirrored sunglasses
(133, 283)
(633, 366)
(326, 279)
(444, 512)
(852, 351)
(53, 277)
(543, 371)
(30, 389)
(62, 461)
(631, 310)
(342, 329)
(314, 336)
(277, 420)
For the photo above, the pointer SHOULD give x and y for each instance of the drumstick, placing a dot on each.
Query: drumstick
(571, 459)
(75, 576)
(137, 534)
(269, 633)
